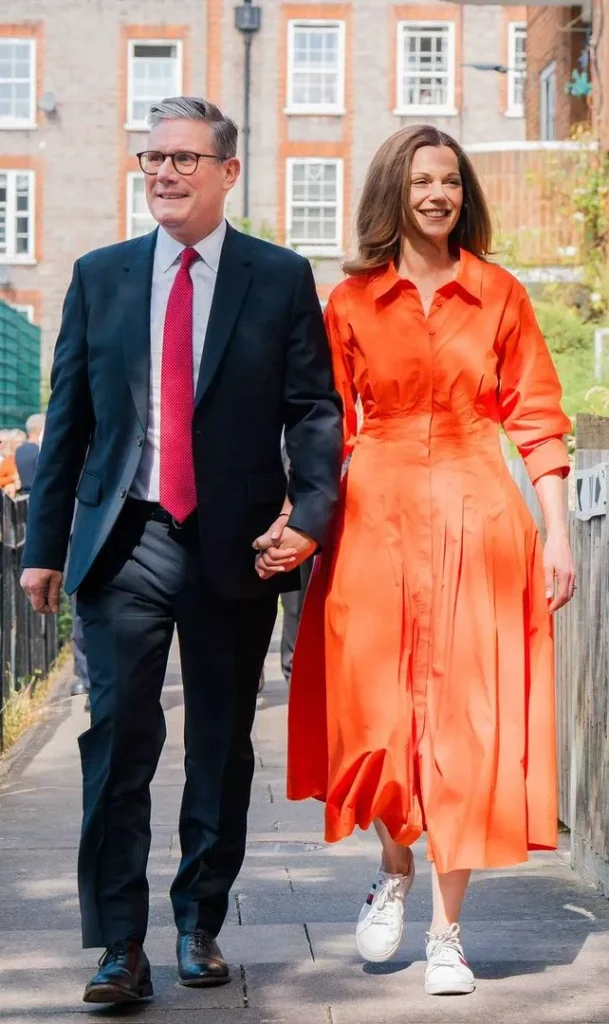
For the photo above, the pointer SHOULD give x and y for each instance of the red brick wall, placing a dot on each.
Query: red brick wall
(549, 39)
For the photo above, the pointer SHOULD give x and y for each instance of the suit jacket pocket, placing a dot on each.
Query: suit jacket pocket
(266, 488)
(89, 488)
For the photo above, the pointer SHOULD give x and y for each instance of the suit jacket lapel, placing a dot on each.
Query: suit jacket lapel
(232, 283)
(134, 297)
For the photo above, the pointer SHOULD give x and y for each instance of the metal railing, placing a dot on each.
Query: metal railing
(29, 643)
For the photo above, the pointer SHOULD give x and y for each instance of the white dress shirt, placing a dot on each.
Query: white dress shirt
(146, 485)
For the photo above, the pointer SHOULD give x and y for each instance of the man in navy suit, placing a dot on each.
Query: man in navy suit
(181, 357)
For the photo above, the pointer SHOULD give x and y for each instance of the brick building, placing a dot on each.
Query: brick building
(330, 80)
(558, 43)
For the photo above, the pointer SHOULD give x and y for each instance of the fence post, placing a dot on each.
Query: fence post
(590, 663)
(28, 642)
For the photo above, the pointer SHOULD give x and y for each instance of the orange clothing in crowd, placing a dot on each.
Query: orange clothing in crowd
(8, 472)
(422, 690)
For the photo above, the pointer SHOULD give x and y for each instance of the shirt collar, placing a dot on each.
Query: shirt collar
(468, 280)
(209, 248)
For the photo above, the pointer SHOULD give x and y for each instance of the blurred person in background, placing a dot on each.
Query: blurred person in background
(26, 455)
(9, 476)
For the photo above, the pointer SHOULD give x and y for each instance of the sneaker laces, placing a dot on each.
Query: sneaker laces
(442, 948)
(384, 901)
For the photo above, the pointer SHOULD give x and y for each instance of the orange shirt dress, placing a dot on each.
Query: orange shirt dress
(422, 687)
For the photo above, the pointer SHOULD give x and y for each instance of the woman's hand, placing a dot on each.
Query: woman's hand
(559, 569)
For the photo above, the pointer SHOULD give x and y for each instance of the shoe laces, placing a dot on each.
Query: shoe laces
(385, 903)
(114, 952)
(443, 948)
(200, 943)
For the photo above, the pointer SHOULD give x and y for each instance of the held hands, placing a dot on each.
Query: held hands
(559, 569)
(282, 549)
(43, 589)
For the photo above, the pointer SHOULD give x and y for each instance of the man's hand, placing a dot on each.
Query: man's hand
(43, 588)
(282, 549)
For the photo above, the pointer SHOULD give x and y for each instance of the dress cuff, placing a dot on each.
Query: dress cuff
(548, 457)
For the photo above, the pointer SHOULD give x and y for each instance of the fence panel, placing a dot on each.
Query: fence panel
(28, 642)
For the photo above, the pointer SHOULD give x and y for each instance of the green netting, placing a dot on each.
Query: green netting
(19, 368)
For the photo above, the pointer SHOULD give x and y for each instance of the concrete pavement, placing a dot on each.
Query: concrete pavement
(537, 937)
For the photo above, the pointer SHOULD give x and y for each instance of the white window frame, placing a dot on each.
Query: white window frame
(11, 257)
(331, 249)
(515, 28)
(337, 108)
(546, 77)
(12, 123)
(447, 109)
(25, 309)
(132, 177)
(132, 124)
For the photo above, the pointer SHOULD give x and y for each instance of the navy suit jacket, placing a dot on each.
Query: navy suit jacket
(266, 365)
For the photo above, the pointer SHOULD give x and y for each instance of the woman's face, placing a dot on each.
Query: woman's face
(436, 191)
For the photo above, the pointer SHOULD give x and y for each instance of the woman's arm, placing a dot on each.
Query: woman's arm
(557, 558)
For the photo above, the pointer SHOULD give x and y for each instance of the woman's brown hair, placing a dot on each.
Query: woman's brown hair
(384, 214)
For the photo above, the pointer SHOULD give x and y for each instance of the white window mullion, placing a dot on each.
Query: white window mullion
(316, 67)
(17, 83)
(139, 219)
(314, 201)
(155, 70)
(426, 68)
(17, 186)
(517, 34)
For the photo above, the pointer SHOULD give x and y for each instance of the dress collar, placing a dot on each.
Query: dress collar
(468, 280)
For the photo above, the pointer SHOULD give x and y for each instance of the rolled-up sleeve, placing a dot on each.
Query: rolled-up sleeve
(530, 393)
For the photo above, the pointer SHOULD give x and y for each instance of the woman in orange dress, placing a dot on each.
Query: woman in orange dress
(422, 693)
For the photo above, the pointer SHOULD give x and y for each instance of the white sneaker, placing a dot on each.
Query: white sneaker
(381, 920)
(447, 970)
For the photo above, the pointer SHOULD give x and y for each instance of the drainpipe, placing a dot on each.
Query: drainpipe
(248, 20)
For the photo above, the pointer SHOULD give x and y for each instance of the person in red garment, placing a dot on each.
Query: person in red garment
(422, 692)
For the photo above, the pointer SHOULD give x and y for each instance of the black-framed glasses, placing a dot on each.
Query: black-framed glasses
(184, 162)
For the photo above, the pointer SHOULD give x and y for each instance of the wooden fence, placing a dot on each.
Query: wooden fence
(529, 187)
(582, 672)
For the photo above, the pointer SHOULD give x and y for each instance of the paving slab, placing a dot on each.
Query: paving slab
(537, 936)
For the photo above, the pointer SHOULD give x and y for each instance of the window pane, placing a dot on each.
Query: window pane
(316, 65)
(15, 214)
(154, 76)
(314, 210)
(426, 61)
(16, 79)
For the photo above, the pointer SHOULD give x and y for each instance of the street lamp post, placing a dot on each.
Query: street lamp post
(248, 19)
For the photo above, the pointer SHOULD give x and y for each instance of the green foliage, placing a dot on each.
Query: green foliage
(571, 342)
(64, 622)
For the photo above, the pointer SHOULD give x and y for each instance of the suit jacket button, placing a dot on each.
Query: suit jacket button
(140, 441)
(123, 492)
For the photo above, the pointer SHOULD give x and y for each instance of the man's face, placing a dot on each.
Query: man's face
(188, 206)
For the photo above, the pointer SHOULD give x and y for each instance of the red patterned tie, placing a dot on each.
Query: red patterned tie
(178, 494)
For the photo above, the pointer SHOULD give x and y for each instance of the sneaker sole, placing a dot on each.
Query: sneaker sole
(455, 990)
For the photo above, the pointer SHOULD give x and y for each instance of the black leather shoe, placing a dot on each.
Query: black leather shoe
(78, 687)
(200, 960)
(123, 977)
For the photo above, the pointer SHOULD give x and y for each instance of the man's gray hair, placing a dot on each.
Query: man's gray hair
(35, 422)
(193, 108)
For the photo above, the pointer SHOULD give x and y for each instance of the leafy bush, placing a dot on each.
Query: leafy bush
(571, 342)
